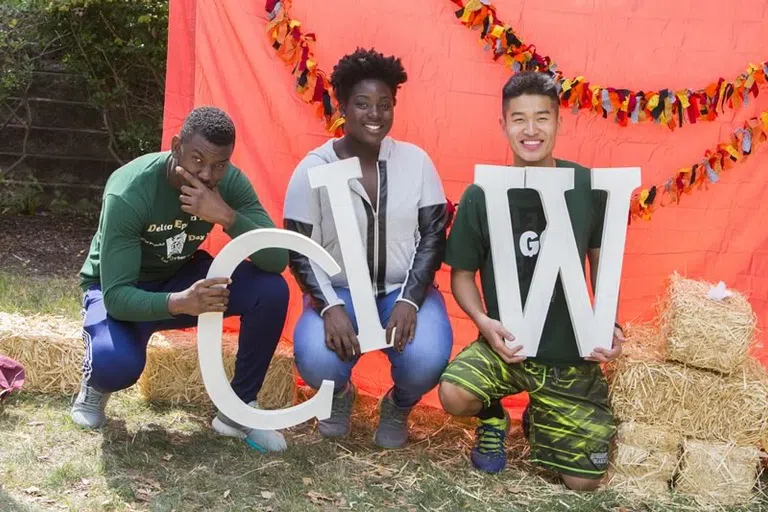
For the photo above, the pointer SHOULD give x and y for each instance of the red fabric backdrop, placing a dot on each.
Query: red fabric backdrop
(219, 54)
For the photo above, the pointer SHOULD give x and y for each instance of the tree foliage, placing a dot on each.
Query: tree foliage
(121, 47)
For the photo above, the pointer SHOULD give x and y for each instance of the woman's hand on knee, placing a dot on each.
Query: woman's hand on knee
(401, 327)
(340, 334)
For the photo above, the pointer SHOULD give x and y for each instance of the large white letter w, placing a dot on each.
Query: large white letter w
(558, 254)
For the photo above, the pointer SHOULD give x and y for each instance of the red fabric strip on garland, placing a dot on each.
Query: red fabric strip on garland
(666, 107)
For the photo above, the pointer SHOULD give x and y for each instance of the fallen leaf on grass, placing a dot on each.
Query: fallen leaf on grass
(143, 494)
(150, 482)
(44, 458)
(307, 481)
(167, 457)
(316, 497)
(227, 493)
(267, 495)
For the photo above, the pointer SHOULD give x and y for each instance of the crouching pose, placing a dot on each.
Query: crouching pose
(145, 273)
(401, 212)
(568, 422)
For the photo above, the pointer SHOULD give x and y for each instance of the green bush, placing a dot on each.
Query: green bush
(121, 47)
(19, 36)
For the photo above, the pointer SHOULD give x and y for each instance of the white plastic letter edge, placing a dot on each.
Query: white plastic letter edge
(209, 335)
(335, 178)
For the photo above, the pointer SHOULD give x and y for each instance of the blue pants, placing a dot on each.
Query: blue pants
(116, 351)
(415, 371)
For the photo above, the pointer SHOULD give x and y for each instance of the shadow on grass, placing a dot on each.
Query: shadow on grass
(193, 469)
(8, 504)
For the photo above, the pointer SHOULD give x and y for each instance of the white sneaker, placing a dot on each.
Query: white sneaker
(88, 409)
(261, 440)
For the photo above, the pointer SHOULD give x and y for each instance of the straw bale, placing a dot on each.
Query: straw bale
(172, 373)
(703, 332)
(692, 402)
(644, 485)
(648, 437)
(644, 458)
(50, 348)
(720, 473)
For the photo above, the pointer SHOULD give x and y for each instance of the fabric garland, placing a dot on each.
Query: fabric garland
(313, 85)
(295, 48)
(625, 106)
(742, 143)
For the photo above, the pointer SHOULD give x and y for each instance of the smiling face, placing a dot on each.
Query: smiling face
(529, 122)
(369, 113)
(203, 159)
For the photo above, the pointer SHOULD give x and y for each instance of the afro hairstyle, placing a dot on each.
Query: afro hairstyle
(365, 65)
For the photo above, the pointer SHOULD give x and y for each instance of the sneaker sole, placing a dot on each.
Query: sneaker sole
(87, 426)
(223, 429)
(349, 426)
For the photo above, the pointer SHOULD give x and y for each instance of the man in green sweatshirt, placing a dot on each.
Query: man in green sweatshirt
(145, 273)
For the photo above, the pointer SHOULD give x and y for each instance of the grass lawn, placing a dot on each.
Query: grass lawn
(157, 458)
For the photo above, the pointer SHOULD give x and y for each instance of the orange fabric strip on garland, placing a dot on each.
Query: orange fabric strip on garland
(666, 107)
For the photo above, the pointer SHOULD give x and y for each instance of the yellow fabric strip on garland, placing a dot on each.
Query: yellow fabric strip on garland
(666, 107)
(743, 142)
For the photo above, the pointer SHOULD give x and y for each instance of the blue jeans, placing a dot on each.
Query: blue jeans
(415, 371)
(116, 351)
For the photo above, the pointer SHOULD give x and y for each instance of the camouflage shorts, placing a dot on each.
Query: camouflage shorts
(570, 423)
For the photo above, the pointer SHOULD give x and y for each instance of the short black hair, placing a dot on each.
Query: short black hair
(529, 82)
(212, 123)
(365, 65)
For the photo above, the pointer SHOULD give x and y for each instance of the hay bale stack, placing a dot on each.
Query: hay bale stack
(703, 332)
(694, 403)
(719, 473)
(645, 458)
(172, 373)
(49, 347)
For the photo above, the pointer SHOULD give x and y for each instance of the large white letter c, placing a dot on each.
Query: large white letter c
(209, 335)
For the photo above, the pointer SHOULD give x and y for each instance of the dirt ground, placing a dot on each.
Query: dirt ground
(45, 244)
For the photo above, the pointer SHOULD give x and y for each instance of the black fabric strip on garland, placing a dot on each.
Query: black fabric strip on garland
(327, 106)
(656, 112)
(512, 39)
(651, 195)
(726, 96)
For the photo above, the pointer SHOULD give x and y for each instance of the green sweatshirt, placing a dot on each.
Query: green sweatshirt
(144, 235)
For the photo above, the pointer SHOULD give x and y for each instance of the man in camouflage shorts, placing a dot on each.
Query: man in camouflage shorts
(568, 422)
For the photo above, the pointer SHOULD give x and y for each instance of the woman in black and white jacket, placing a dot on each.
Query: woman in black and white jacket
(402, 213)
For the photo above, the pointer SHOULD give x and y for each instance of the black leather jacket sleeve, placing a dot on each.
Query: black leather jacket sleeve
(433, 222)
(302, 270)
